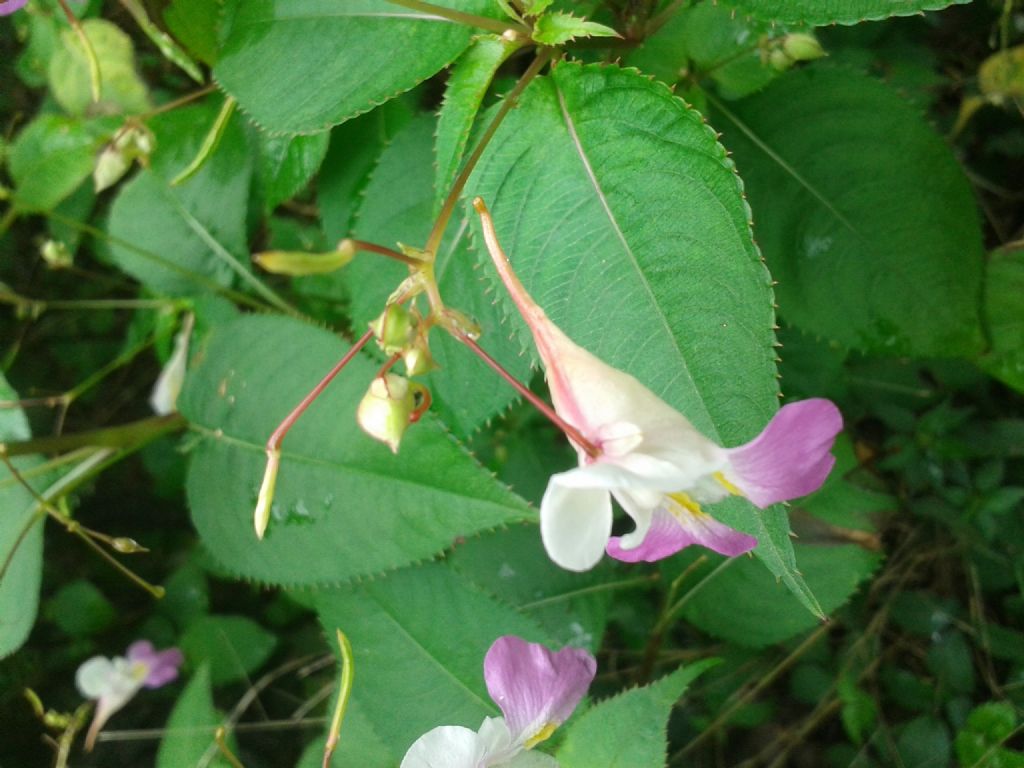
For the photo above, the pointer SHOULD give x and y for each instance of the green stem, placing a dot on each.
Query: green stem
(124, 436)
(434, 240)
(459, 17)
(667, 617)
(344, 691)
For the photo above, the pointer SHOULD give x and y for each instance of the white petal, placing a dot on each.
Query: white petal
(164, 399)
(95, 677)
(575, 523)
(642, 511)
(447, 746)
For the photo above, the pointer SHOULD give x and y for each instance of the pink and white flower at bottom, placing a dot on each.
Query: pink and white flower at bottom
(113, 682)
(535, 688)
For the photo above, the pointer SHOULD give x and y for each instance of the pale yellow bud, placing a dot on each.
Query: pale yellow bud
(111, 165)
(299, 263)
(56, 254)
(390, 405)
(417, 358)
(802, 47)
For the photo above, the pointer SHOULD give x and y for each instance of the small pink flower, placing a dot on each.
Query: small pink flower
(536, 688)
(651, 459)
(113, 682)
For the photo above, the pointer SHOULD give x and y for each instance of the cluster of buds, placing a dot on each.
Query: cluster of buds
(782, 53)
(133, 142)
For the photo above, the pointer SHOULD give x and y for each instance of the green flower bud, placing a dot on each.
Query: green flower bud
(394, 329)
(56, 254)
(802, 47)
(779, 61)
(390, 405)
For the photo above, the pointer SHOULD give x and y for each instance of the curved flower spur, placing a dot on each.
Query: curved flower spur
(635, 447)
(536, 688)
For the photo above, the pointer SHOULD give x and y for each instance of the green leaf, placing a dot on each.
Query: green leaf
(869, 226)
(558, 28)
(232, 646)
(354, 149)
(859, 713)
(628, 730)
(822, 12)
(713, 39)
(572, 607)
(188, 737)
(987, 727)
(740, 605)
(1004, 285)
(397, 207)
(188, 238)
(470, 78)
(343, 58)
(360, 745)
(345, 506)
(53, 156)
(80, 609)
(196, 23)
(21, 537)
(287, 163)
(923, 743)
(419, 638)
(122, 91)
(624, 218)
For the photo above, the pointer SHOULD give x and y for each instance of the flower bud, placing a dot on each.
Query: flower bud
(459, 324)
(127, 546)
(802, 47)
(394, 329)
(111, 165)
(779, 61)
(299, 263)
(390, 405)
(56, 254)
(417, 357)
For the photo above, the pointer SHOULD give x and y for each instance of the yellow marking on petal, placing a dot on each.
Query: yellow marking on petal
(727, 485)
(684, 500)
(541, 735)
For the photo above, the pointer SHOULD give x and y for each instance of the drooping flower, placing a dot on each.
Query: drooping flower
(113, 682)
(647, 455)
(535, 688)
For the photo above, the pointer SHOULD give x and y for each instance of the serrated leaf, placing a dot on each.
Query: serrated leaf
(188, 238)
(188, 736)
(740, 605)
(21, 539)
(557, 28)
(624, 218)
(345, 506)
(418, 638)
(287, 163)
(471, 75)
(572, 607)
(869, 226)
(343, 58)
(709, 38)
(232, 646)
(397, 207)
(822, 12)
(121, 88)
(628, 730)
(1004, 286)
(53, 156)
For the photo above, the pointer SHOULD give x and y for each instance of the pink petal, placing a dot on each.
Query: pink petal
(536, 687)
(670, 533)
(162, 665)
(790, 458)
(10, 6)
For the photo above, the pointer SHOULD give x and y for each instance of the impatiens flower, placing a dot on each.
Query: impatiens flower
(113, 682)
(7, 7)
(536, 689)
(651, 458)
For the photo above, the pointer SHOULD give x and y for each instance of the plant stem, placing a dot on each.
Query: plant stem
(434, 240)
(570, 431)
(124, 436)
(459, 17)
(363, 245)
